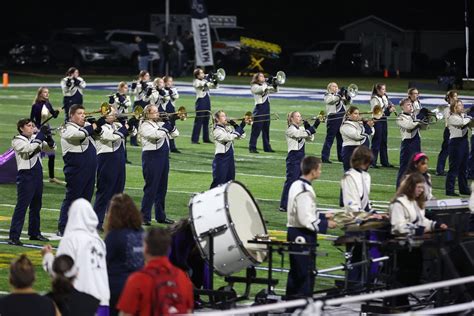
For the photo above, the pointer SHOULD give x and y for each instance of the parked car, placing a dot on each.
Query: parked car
(127, 48)
(29, 53)
(334, 55)
(81, 46)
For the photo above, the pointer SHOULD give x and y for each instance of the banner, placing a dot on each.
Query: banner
(202, 33)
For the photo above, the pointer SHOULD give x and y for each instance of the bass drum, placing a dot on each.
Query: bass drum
(231, 205)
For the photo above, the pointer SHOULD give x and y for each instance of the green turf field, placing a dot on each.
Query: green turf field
(263, 173)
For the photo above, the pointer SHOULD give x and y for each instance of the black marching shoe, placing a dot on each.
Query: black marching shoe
(176, 151)
(196, 143)
(253, 151)
(147, 223)
(441, 174)
(269, 151)
(166, 221)
(59, 233)
(388, 166)
(281, 209)
(327, 161)
(452, 194)
(39, 238)
(15, 242)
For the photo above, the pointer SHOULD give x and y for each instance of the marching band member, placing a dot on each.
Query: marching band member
(379, 142)
(41, 110)
(410, 133)
(121, 102)
(261, 89)
(296, 136)
(203, 103)
(223, 165)
(355, 183)
(419, 163)
(414, 95)
(29, 179)
(157, 95)
(451, 96)
(407, 216)
(139, 90)
(458, 149)
(354, 132)
(110, 163)
(304, 223)
(170, 106)
(336, 101)
(72, 86)
(155, 135)
(80, 159)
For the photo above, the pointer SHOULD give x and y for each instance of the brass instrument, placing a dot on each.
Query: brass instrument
(321, 116)
(278, 79)
(219, 75)
(377, 112)
(137, 113)
(250, 119)
(352, 90)
(105, 108)
(182, 114)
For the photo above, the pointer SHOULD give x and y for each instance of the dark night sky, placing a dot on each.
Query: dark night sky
(291, 23)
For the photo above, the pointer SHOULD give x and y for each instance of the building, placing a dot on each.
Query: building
(389, 46)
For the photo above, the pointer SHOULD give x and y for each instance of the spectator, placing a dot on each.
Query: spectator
(124, 244)
(160, 281)
(84, 245)
(23, 300)
(188, 51)
(70, 301)
(143, 54)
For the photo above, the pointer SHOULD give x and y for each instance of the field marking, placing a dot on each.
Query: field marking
(50, 236)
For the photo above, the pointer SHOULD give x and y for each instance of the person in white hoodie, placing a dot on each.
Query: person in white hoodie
(83, 244)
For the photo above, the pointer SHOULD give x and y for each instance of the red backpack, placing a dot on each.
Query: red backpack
(166, 298)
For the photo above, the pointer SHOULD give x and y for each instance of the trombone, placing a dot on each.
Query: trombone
(250, 119)
(137, 113)
(105, 108)
(182, 114)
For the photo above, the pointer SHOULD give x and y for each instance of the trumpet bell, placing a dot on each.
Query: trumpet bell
(280, 78)
(353, 90)
(105, 108)
(220, 74)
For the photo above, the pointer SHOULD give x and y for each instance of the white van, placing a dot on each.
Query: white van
(124, 41)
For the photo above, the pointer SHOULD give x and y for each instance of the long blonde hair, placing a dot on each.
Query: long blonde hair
(39, 97)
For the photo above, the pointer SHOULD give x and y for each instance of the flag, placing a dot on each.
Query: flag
(202, 33)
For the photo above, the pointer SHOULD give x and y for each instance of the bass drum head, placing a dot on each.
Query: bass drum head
(247, 220)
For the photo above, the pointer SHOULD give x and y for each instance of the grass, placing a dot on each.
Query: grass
(262, 174)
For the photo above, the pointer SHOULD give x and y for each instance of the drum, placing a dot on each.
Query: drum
(232, 205)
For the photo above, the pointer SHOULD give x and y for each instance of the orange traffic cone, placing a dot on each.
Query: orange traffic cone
(5, 80)
(385, 73)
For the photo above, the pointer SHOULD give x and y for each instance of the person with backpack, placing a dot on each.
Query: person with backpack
(159, 288)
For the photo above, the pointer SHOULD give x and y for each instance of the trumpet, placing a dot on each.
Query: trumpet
(105, 108)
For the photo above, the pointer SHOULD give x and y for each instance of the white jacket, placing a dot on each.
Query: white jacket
(302, 210)
(72, 89)
(457, 124)
(405, 214)
(382, 101)
(153, 136)
(121, 107)
(353, 133)
(75, 139)
(111, 139)
(261, 92)
(224, 138)
(296, 136)
(355, 187)
(408, 127)
(158, 99)
(334, 103)
(83, 244)
(174, 95)
(202, 86)
(27, 151)
(139, 93)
